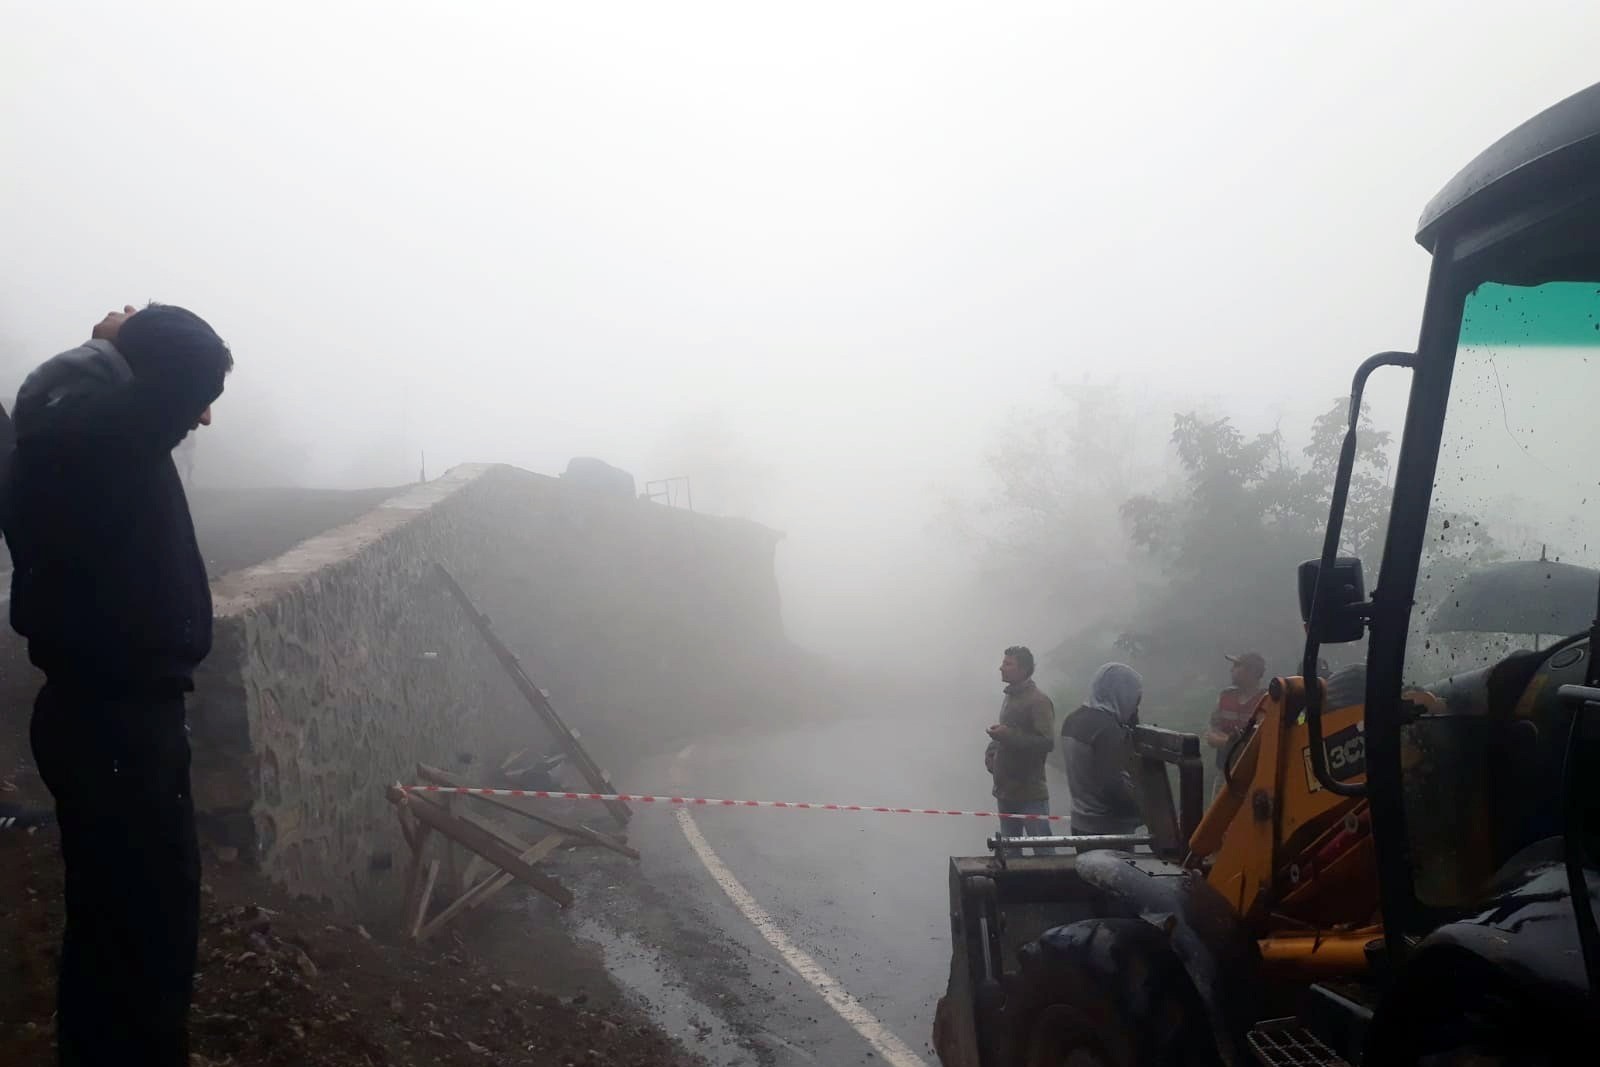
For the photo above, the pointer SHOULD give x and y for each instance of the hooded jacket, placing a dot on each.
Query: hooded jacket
(108, 584)
(1096, 748)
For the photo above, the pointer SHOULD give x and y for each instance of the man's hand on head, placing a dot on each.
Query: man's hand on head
(108, 327)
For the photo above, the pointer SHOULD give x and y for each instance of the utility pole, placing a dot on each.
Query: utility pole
(405, 416)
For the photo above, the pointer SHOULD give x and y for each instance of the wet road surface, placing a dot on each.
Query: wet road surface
(864, 896)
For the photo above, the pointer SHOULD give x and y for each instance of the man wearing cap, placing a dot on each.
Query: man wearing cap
(1236, 704)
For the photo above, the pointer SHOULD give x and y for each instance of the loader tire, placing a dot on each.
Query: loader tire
(1106, 993)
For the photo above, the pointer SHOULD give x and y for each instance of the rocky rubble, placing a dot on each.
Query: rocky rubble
(283, 982)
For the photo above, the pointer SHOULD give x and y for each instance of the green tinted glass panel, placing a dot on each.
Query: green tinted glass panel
(1556, 314)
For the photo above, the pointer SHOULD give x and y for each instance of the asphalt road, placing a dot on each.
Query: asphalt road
(865, 896)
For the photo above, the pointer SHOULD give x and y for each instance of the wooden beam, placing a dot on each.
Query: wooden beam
(452, 863)
(485, 844)
(546, 845)
(408, 827)
(505, 837)
(474, 865)
(487, 888)
(422, 901)
(413, 872)
(435, 776)
(598, 779)
(571, 829)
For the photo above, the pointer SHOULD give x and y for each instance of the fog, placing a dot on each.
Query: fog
(818, 259)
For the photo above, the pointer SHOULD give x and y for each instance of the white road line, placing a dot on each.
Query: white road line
(891, 1049)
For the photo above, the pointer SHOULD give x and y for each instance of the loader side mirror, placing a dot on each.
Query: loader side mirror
(1344, 591)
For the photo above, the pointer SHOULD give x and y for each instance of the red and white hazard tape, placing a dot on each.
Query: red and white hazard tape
(711, 802)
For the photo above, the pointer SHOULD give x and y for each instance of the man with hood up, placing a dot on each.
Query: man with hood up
(1096, 746)
(110, 590)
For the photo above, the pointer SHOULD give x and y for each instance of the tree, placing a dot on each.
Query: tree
(1053, 558)
(1366, 516)
(1203, 566)
(1227, 545)
(1221, 550)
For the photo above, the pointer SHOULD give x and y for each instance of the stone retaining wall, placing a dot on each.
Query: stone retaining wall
(341, 664)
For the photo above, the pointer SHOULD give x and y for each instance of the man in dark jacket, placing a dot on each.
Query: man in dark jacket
(1018, 745)
(110, 590)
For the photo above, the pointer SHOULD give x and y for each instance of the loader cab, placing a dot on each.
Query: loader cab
(1468, 779)
(1499, 467)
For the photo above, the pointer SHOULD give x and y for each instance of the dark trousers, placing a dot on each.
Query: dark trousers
(118, 768)
(1027, 827)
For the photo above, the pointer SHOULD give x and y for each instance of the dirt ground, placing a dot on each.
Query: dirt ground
(283, 982)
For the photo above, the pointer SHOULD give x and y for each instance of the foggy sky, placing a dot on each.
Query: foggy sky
(858, 233)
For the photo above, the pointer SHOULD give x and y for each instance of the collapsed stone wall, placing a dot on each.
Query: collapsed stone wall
(341, 664)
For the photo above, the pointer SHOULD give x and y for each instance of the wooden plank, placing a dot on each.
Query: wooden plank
(500, 834)
(423, 901)
(599, 781)
(435, 776)
(432, 775)
(571, 829)
(481, 892)
(539, 851)
(476, 865)
(505, 837)
(413, 873)
(408, 827)
(485, 844)
(452, 863)
(581, 833)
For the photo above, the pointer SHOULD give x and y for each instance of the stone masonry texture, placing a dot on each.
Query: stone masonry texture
(341, 664)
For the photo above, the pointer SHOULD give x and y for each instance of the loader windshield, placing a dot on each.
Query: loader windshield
(1511, 562)
(1514, 535)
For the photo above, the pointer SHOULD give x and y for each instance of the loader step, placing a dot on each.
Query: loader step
(1285, 1043)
